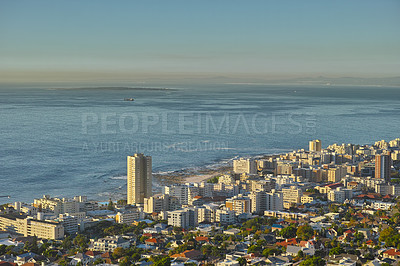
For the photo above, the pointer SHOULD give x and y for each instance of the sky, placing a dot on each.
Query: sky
(122, 40)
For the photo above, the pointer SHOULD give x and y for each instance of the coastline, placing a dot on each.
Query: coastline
(206, 172)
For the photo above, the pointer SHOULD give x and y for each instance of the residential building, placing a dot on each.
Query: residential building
(179, 191)
(315, 145)
(383, 164)
(108, 244)
(244, 166)
(128, 217)
(292, 194)
(139, 178)
(224, 216)
(239, 204)
(262, 201)
(31, 227)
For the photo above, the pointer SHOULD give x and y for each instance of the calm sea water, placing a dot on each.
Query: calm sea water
(74, 142)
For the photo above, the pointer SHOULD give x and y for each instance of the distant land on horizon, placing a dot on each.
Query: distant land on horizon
(164, 82)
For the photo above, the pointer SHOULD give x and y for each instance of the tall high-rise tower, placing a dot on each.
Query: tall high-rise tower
(383, 163)
(315, 145)
(139, 178)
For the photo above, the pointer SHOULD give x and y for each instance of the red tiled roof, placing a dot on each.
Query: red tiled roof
(202, 238)
(92, 253)
(191, 254)
(152, 240)
(350, 231)
(106, 255)
(392, 252)
(6, 263)
(292, 241)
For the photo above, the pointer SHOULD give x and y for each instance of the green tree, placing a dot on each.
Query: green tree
(336, 251)
(81, 241)
(118, 253)
(305, 232)
(110, 205)
(314, 261)
(67, 243)
(242, 261)
(98, 261)
(122, 202)
(288, 232)
(213, 180)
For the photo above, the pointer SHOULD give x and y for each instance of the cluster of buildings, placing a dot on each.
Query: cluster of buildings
(286, 186)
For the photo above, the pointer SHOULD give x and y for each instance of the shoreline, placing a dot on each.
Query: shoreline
(206, 172)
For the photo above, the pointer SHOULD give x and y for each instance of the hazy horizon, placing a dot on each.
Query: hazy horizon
(204, 42)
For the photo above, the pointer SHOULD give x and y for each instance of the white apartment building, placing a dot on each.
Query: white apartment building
(239, 204)
(108, 244)
(262, 201)
(128, 217)
(59, 206)
(244, 166)
(31, 227)
(161, 203)
(224, 216)
(340, 194)
(184, 218)
(292, 194)
(181, 192)
(70, 223)
(387, 189)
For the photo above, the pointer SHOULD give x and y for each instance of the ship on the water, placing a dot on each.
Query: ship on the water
(129, 99)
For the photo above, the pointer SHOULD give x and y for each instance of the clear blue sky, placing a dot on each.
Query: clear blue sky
(279, 38)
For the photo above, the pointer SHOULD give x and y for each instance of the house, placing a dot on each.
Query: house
(341, 261)
(228, 262)
(232, 231)
(108, 243)
(275, 227)
(306, 246)
(331, 233)
(80, 258)
(191, 254)
(391, 254)
(202, 239)
(26, 257)
(153, 241)
(370, 243)
(93, 254)
(182, 262)
(279, 260)
(6, 263)
(106, 257)
(291, 241)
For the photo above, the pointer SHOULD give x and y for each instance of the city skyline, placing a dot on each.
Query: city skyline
(140, 41)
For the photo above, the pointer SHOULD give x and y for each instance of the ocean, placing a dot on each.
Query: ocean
(67, 142)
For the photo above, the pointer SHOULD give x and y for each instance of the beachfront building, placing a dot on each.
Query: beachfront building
(58, 206)
(244, 166)
(139, 178)
(315, 145)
